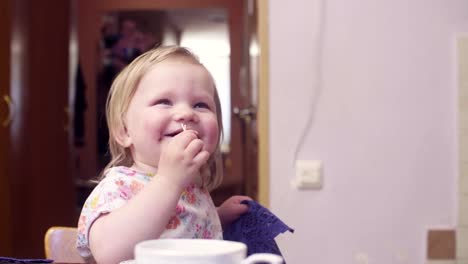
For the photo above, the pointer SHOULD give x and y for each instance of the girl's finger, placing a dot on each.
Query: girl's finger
(194, 147)
(184, 138)
(202, 157)
(241, 198)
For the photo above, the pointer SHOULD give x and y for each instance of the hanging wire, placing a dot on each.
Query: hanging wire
(318, 80)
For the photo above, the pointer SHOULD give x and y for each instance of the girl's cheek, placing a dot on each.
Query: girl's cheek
(152, 129)
(211, 136)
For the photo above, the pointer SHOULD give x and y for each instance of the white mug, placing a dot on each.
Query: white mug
(198, 251)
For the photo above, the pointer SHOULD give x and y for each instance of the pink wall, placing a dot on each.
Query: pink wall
(384, 126)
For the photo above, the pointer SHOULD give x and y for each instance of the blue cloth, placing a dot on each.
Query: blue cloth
(257, 229)
(16, 260)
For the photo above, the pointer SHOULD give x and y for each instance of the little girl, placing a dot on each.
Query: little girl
(164, 119)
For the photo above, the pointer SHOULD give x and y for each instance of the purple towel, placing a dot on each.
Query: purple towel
(16, 260)
(257, 229)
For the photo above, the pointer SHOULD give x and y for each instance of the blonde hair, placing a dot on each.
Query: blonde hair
(121, 93)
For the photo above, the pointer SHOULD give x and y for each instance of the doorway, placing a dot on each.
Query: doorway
(228, 27)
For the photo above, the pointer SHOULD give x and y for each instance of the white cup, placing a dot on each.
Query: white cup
(198, 251)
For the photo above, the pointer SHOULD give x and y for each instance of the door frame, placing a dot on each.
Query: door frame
(88, 33)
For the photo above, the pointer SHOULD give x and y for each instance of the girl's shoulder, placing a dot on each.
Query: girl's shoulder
(121, 181)
(125, 173)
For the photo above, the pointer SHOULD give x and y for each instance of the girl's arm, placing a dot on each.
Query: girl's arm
(113, 237)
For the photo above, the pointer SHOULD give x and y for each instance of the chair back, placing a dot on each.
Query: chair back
(60, 245)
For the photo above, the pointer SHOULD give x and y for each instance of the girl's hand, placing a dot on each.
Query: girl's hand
(181, 159)
(231, 209)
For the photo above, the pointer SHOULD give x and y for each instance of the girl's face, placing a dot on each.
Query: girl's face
(170, 94)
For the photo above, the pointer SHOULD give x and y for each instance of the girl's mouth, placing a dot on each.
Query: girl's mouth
(173, 134)
(182, 128)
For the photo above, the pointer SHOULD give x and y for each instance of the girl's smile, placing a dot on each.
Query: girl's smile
(178, 131)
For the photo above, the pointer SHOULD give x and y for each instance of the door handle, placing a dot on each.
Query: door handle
(246, 114)
(9, 103)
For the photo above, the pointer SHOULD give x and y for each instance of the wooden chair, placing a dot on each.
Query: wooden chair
(60, 245)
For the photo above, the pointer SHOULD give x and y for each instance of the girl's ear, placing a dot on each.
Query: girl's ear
(122, 137)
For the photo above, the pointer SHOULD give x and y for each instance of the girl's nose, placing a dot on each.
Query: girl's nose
(185, 113)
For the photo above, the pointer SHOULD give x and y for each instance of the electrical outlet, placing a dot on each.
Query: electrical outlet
(308, 174)
(361, 258)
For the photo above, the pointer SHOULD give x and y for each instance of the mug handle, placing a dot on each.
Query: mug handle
(263, 257)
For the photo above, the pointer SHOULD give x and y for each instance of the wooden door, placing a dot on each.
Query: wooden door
(37, 186)
(244, 100)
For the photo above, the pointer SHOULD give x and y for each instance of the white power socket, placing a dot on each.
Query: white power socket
(361, 258)
(308, 174)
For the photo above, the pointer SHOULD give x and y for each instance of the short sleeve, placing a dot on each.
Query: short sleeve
(114, 191)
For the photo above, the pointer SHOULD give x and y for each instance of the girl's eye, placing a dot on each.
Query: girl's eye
(163, 102)
(202, 105)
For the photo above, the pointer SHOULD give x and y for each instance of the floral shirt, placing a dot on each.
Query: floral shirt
(195, 215)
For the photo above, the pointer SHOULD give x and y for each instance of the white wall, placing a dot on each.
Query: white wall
(384, 125)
